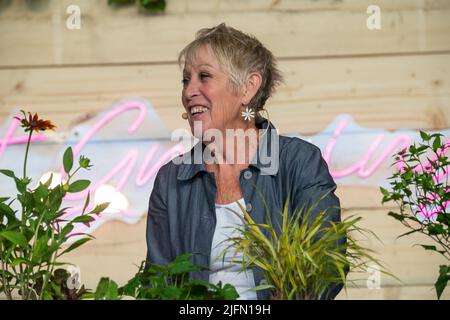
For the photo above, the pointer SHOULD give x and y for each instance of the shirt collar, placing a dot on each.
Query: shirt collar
(188, 171)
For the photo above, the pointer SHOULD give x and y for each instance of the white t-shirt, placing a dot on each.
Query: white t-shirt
(222, 269)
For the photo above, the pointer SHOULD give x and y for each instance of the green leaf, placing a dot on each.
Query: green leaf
(18, 261)
(68, 160)
(8, 212)
(384, 192)
(16, 238)
(130, 288)
(107, 289)
(85, 219)
(86, 203)
(66, 230)
(424, 136)
(75, 245)
(442, 280)
(427, 247)
(436, 143)
(153, 6)
(435, 229)
(170, 293)
(99, 208)
(78, 186)
(40, 247)
(8, 173)
(120, 2)
(21, 184)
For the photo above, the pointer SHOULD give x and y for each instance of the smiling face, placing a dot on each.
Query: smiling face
(208, 96)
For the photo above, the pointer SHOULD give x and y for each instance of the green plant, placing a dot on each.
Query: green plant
(422, 195)
(165, 282)
(33, 230)
(60, 286)
(306, 257)
(147, 6)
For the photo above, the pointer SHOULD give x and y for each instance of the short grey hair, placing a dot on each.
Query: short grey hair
(239, 55)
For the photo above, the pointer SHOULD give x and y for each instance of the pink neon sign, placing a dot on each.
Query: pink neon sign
(127, 164)
(124, 168)
(401, 141)
(9, 140)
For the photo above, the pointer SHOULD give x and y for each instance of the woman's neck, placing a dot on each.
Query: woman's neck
(235, 151)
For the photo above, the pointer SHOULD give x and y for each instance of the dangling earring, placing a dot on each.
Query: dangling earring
(184, 115)
(268, 120)
(248, 114)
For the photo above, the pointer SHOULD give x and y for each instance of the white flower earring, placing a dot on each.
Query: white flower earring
(248, 114)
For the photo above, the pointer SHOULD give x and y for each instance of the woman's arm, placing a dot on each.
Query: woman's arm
(315, 187)
(158, 232)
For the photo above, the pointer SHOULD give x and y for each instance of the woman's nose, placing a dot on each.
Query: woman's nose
(191, 89)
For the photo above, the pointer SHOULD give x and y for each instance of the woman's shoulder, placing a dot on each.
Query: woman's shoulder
(295, 146)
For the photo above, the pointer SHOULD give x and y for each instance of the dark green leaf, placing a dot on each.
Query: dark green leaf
(153, 6)
(75, 245)
(78, 186)
(427, 247)
(424, 136)
(435, 229)
(442, 280)
(8, 173)
(21, 184)
(66, 230)
(68, 160)
(40, 247)
(120, 2)
(436, 143)
(8, 212)
(85, 219)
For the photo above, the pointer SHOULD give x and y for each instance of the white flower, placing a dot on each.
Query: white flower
(74, 281)
(248, 114)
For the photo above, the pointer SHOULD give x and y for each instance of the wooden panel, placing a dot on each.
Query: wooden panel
(384, 92)
(393, 293)
(38, 36)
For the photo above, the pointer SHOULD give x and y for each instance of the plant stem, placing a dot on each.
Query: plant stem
(5, 284)
(26, 155)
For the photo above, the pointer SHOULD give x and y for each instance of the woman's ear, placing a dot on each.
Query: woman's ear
(251, 87)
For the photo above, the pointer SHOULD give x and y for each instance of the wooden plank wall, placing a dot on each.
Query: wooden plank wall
(396, 77)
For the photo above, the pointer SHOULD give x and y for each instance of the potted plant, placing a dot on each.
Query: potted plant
(34, 234)
(164, 282)
(306, 257)
(420, 189)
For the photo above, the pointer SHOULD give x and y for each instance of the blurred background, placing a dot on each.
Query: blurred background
(354, 73)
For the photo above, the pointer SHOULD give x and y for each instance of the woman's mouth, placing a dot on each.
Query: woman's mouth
(197, 112)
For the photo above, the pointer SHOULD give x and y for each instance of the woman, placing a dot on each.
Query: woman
(227, 78)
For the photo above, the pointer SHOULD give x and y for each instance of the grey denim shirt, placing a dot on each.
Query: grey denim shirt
(181, 216)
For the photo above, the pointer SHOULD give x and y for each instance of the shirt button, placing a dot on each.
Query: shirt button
(248, 174)
(248, 207)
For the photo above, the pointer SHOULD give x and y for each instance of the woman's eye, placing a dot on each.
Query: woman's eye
(204, 76)
(185, 81)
